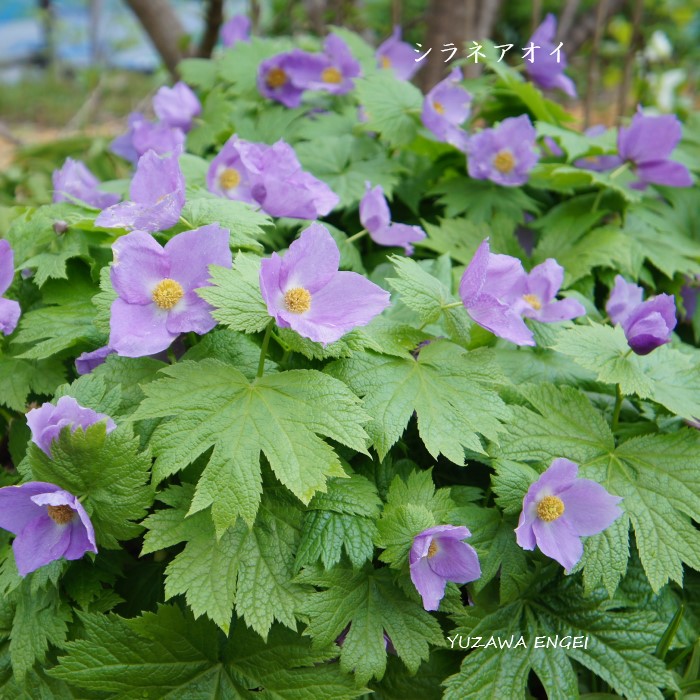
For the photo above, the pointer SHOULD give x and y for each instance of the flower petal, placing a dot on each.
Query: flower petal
(40, 542)
(558, 541)
(7, 265)
(455, 561)
(137, 330)
(17, 507)
(139, 265)
(10, 311)
(666, 172)
(311, 261)
(191, 313)
(429, 585)
(589, 508)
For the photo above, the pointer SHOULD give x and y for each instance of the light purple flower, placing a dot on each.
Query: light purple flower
(376, 218)
(689, 294)
(597, 163)
(156, 288)
(48, 523)
(559, 509)
(285, 77)
(87, 361)
(647, 144)
(445, 108)
(498, 293)
(504, 154)
(157, 196)
(544, 70)
(233, 171)
(305, 291)
(398, 56)
(144, 135)
(337, 78)
(235, 30)
(176, 106)
(47, 421)
(75, 181)
(439, 555)
(648, 324)
(9, 309)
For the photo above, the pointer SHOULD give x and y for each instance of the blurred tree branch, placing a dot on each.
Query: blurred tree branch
(213, 21)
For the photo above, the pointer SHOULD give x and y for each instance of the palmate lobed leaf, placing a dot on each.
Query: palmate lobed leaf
(283, 416)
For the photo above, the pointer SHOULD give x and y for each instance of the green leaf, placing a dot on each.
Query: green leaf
(167, 654)
(20, 377)
(281, 415)
(451, 390)
(392, 106)
(342, 518)
(235, 295)
(107, 470)
(251, 568)
(372, 605)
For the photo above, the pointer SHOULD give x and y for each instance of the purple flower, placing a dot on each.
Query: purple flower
(306, 292)
(87, 361)
(504, 154)
(497, 293)
(376, 218)
(598, 163)
(144, 136)
(647, 144)
(47, 421)
(157, 196)
(689, 294)
(49, 523)
(74, 181)
(445, 108)
(233, 171)
(398, 56)
(235, 30)
(9, 309)
(337, 77)
(285, 77)
(544, 70)
(437, 556)
(156, 288)
(559, 509)
(176, 106)
(648, 324)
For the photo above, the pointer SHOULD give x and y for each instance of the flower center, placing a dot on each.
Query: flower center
(437, 106)
(167, 293)
(504, 162)
(385, 61)
(61, 515)
(534, 301)
(276, 78)
(433, 549)
(332, 75)
(297, 300)
(550, 508)
(229, 179)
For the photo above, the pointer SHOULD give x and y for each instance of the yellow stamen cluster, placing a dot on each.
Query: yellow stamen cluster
(61, 515)
(433, 549)
(229, 179)
(276, 78)
(534, 301)
(386, 62)
(167, 293)
(550, 508)
(437, 106)
(332, 75)
(504, 162)
(297, 300)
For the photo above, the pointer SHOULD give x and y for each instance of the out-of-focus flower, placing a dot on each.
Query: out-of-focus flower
(235, 30)
(143, 136)
(233, 170)
(337, 77)
(9, 309)
(398, 56)
(75, 181)
(87, 361)
(445, 108)
(305, 291)
(439, 555)
(157, 196)
(544, 70)
(47, 421)
(48, 523)
(176, 106)
(559, 509)
(504, 154)
(376, 218)
(156, 288)
(285, 77)
(598, 163)
(659, 48)
(647, 325)
(647, 144)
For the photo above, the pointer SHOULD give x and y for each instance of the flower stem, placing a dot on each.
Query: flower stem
(452, 305)
(596, 202)
(263, 349)
(187, 223)
(618, 406)
(355, 236)
(620, 170)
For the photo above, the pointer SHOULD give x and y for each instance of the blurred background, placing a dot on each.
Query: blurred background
(72, 70)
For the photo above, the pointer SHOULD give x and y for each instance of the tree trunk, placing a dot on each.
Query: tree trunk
(585, 26)
(213, 22)
(164, 29)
